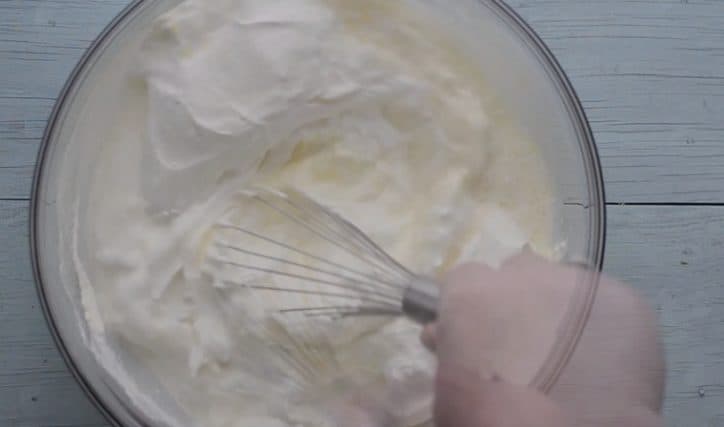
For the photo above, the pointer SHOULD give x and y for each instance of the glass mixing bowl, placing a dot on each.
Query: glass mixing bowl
(523, 69)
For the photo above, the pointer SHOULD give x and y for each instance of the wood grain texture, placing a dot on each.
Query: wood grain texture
(40, 43)
(650, 74)
(36, 388)
(672, 255)
(651, 78)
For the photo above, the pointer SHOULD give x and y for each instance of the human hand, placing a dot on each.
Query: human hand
(614, 378)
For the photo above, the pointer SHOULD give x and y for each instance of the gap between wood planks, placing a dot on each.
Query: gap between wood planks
(692, 204)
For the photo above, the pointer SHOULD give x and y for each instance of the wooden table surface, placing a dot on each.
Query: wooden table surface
(650, 74)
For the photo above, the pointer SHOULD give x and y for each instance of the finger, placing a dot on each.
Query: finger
(460, 332)
(641, 417)
(494, 403)
(429, 336)
(465, 275)
(503, 320)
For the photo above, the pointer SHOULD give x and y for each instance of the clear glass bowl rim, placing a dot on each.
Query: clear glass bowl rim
(563, 350)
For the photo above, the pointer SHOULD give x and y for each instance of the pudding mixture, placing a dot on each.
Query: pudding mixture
(366, 106)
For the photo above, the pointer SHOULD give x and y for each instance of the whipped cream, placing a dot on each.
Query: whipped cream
(371, 110)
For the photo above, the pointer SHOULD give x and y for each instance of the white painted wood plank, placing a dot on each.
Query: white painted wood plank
(673, 255)
(651, 77)
(40, 43)
(36, 388)
(650, 73)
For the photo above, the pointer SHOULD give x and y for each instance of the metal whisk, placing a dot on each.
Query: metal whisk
(289, 243)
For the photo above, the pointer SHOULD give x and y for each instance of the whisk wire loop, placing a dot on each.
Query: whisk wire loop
(375, 285)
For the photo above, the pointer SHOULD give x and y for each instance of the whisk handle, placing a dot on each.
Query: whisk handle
(420, 300)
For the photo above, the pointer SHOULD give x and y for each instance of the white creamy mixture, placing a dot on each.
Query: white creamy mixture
(367, 107)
